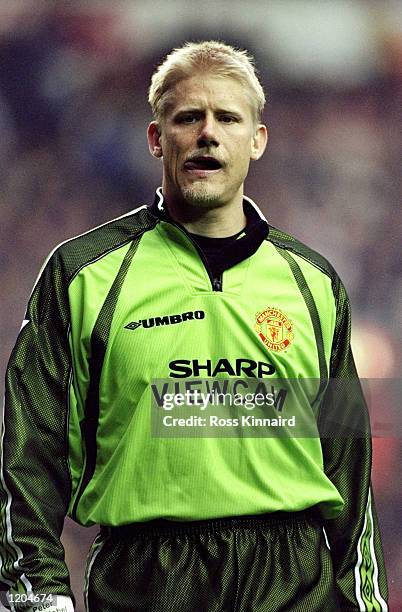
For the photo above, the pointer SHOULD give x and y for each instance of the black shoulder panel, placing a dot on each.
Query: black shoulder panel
(78, 252)
(289, 243)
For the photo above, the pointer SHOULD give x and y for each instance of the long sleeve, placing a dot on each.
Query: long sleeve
(35, 485)
(353, 536)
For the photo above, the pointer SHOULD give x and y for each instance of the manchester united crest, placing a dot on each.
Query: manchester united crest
(274, 329)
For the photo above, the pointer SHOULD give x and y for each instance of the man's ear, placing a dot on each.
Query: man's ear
(259, 141)
(154, 139)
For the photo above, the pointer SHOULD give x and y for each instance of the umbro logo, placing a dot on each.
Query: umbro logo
(167, 319)
(133, 325)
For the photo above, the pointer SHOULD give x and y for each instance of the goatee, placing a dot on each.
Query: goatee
(201, 197)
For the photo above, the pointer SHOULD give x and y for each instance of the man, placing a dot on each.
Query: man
(195, 285)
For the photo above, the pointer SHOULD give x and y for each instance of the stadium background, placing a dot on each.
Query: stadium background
(73, 154)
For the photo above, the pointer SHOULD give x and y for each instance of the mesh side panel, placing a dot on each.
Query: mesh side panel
(312, 308)
(262, 569)
(342, 363)
(99, 341)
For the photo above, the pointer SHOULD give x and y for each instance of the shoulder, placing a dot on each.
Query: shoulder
(289, 243)
(73, 254)
(293, 248)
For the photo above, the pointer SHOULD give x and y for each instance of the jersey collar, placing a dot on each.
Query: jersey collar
(247, 244)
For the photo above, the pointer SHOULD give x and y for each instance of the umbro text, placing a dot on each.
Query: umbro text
(167, 319)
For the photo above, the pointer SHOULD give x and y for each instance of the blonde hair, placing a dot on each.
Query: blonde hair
(206, 56)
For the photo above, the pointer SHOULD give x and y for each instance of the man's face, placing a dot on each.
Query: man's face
(206, 139)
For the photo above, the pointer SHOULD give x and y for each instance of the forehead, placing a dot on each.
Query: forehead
(209, 91)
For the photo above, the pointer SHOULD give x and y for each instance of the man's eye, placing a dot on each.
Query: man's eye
(188, 119)
(227, 119)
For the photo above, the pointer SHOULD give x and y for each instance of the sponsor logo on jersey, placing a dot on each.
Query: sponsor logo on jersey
(274, 329)
(167, 319)
(184, 368)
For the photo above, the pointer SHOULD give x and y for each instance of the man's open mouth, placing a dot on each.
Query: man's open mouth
(203, 162)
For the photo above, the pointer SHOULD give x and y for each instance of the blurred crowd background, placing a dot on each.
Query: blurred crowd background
(73, 114)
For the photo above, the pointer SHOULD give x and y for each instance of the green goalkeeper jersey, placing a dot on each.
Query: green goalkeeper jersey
(136, 300)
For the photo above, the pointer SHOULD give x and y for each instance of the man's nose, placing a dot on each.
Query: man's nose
(208, 134)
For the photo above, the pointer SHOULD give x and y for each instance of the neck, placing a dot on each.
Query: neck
(216, 222)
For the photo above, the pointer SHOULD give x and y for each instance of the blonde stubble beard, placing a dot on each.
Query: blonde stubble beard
(201, 196)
